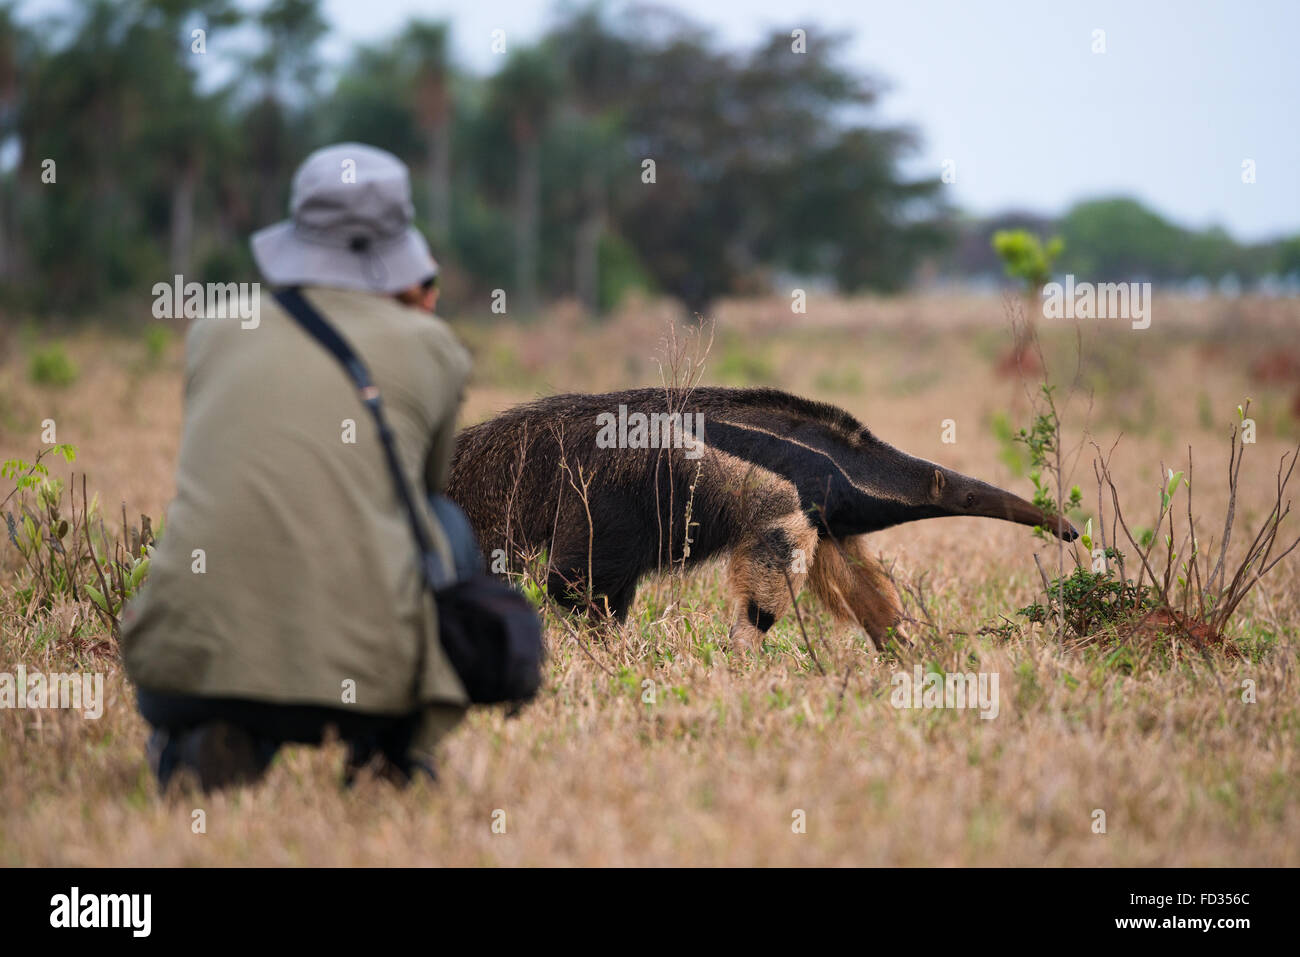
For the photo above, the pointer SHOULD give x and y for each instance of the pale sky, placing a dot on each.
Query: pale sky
(1011, 91)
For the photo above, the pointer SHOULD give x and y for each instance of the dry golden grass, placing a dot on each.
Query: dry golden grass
(735, 742)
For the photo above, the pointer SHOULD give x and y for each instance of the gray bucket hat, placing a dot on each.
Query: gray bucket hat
(350, 225)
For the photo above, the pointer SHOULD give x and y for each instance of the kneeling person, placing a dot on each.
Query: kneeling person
(286, 596)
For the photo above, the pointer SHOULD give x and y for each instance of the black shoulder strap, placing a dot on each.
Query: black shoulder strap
(315, 325)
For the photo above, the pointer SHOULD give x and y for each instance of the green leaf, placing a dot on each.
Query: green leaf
(95, 596)
(138, 573)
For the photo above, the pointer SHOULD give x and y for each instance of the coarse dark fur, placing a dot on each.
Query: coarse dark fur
(786, 488)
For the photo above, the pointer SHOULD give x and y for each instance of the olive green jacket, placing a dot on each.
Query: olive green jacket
(286, 571)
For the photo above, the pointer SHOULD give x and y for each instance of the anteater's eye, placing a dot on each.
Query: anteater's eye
(970, 499)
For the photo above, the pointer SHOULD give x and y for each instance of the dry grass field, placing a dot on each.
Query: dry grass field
(662, 745)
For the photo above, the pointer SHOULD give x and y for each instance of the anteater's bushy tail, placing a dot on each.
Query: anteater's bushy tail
(854, 587)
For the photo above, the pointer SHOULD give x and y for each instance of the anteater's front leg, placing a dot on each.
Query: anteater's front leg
(765, 568)
(607, 602)
(613, 572)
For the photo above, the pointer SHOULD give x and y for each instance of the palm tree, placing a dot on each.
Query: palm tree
(597, 63)
(285, 70)
(181, 127)
(427, 44)
(521, 96)
(10, 101)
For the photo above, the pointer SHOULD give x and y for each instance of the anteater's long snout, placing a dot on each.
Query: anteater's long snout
(994, 502)
(1061, 528)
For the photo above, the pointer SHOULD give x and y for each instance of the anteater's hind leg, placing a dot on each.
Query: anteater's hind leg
(855, 588)
(764, 568)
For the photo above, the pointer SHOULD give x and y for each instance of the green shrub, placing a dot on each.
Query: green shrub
(66, 552)
(740, 366)
(1042, 441)
(1088, 601)
(846, 380)
(50, 366)
(1026, 257)
(156, 341)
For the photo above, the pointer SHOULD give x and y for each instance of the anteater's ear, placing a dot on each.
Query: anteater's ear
(937, 484)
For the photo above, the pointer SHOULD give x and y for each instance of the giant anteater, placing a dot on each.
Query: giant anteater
(785, 487)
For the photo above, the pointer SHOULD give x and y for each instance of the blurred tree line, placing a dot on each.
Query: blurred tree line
(1118, 238)
(532, 179)
(133, 147)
